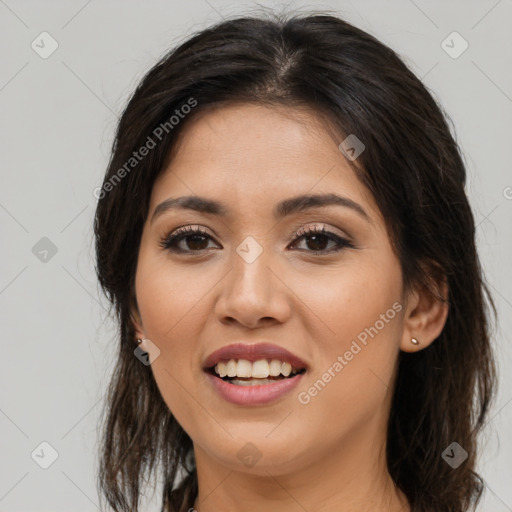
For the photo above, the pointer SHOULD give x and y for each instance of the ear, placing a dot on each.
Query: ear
(426, 311)
(136, 320)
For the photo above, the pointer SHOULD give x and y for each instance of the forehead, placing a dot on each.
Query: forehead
(269, 134)
(253, 154)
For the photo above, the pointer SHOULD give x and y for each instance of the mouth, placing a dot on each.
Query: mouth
(242, 372)
(257, 374)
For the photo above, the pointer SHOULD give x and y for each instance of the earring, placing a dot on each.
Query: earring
(414, 341)
(139, 341)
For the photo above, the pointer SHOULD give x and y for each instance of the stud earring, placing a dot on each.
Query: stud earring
(139, 341)
(414, 341)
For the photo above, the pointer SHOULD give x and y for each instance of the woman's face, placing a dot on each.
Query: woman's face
(257, 273)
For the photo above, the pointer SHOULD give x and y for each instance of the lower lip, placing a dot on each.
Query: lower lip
(254, 395)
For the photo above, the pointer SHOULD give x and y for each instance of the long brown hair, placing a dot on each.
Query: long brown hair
(414, 169)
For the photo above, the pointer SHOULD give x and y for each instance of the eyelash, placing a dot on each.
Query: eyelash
(170, 241)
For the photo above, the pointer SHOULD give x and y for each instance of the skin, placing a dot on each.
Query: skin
(326, 455)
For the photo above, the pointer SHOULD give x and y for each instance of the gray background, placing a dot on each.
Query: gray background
(58, 117)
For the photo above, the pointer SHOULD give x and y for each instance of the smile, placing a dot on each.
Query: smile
(253, 374)
(242, 372)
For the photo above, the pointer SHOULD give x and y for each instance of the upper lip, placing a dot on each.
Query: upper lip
(253, 352)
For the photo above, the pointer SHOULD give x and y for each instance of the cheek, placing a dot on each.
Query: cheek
(351, 299)
(174, 305)
(169, 297)
(361, 325)
(169, 303)
(352, 386)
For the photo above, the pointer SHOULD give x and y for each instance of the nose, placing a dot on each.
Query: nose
(252, 294)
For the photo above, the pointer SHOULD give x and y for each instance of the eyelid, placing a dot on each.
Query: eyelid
(304, 230)
(188, 228)
(320, 228)
(193, 228)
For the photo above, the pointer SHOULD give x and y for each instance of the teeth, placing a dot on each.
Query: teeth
(260, 369)
(286, 369)
(231, 368)
(220, 368)
(275, 367)
(243, 368)
(253, 382)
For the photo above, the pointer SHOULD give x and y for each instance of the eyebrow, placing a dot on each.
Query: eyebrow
(281, 210)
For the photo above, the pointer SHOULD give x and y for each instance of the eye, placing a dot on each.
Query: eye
(195, 239)
(318, 239)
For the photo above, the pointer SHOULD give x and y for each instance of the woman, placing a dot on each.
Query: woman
(284, 234)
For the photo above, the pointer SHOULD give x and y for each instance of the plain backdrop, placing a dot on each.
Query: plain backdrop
(59, 112)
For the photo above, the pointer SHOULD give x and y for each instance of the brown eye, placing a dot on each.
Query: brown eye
(317, 240)
(187, 239)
